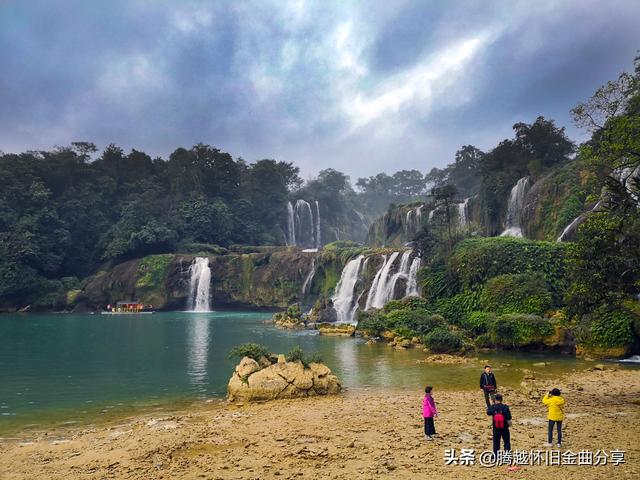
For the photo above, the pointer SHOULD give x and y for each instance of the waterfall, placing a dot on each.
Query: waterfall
(378, 292)
(344, 300)
(291, 226)
(199, 285)
(403, 272)
(318, 245)
(374, 284)
(462, 213)
(309, 278)
(576, 223)
(407, 220)
(412, 281)
(514, 208)
(430, 217)
(302, 207)
(303, 225)
(413, 219)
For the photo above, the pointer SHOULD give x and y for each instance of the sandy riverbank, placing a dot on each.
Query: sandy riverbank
(359, 434)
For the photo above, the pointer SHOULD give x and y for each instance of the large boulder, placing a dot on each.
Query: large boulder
(249, 382)
(323, 312)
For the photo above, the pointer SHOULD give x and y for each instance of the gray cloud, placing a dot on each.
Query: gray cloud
(361, 87)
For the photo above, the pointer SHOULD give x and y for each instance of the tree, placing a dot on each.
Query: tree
(443, 199)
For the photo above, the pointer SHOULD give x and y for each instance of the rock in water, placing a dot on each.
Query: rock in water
(249, 382)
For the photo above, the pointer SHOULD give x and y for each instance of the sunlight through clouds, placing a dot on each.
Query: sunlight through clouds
(414, 88)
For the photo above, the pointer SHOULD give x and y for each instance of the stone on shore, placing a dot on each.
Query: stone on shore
(280, 380)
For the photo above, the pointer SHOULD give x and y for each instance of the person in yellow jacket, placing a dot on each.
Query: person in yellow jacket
(555, 402)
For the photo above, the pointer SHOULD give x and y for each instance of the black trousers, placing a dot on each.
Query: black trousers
(487, 395)
(559, 424)
(499, 433)
(429, 427)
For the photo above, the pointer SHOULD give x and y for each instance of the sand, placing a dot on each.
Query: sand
(358, 434)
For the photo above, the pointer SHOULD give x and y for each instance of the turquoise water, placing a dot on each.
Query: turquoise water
(73, 368)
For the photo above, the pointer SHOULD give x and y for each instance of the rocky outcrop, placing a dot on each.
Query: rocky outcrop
(271, 278)
(252, 381)
(336, 329)
(323, 312)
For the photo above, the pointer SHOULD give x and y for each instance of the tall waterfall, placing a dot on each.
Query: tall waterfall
(291, 225)
(462, 213)
(318, 244)
(199, 285)
(303, 225)
(378, 292)
(412, 281)
(514, 209)
(344, 299)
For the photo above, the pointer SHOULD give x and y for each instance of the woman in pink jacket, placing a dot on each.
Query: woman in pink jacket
(429, 411)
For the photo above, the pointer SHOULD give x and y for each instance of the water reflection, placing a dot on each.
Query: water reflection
(198, 352)
(347, 359)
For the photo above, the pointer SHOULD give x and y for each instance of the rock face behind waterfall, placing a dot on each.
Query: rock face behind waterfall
(266, 278)
(253, 381)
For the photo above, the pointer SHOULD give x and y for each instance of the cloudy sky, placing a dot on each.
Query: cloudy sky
(361, 87)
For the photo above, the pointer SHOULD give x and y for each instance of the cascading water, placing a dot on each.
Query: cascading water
(378, 292)
(514, 209)
(291, 225)
(430, 217)
(199, 285)
(462, 213)
(318, 244)
(412, 281)
(403, 272)
(576, 223)
(344, 299)
(413, 219)
(309, 278)
(303, 225)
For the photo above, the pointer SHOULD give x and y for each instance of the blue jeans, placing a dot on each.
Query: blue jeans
(551, 424)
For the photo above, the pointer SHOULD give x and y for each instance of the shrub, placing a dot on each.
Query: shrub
(484, 341)
(294, 311)
(610, 326)
(297, 355)
(419, 321)
(516, 293)
(455, 309)
(476, 260)
(251, 350)
(404, 332)
(478, 323)
(519, 330)
(407, 303)
(443, 340)
(371, 323)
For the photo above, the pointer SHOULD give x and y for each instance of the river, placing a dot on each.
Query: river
(76, 368)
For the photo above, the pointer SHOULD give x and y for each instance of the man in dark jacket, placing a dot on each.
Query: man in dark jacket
(501, 420)
(488, 385)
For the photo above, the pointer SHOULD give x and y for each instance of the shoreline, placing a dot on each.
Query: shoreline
(362, 433)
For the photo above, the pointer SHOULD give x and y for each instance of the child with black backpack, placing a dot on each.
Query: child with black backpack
(501, 422)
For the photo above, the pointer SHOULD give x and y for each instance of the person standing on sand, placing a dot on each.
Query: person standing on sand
(501, 421)
(488, 385)
(555, 402)
(429, 411)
